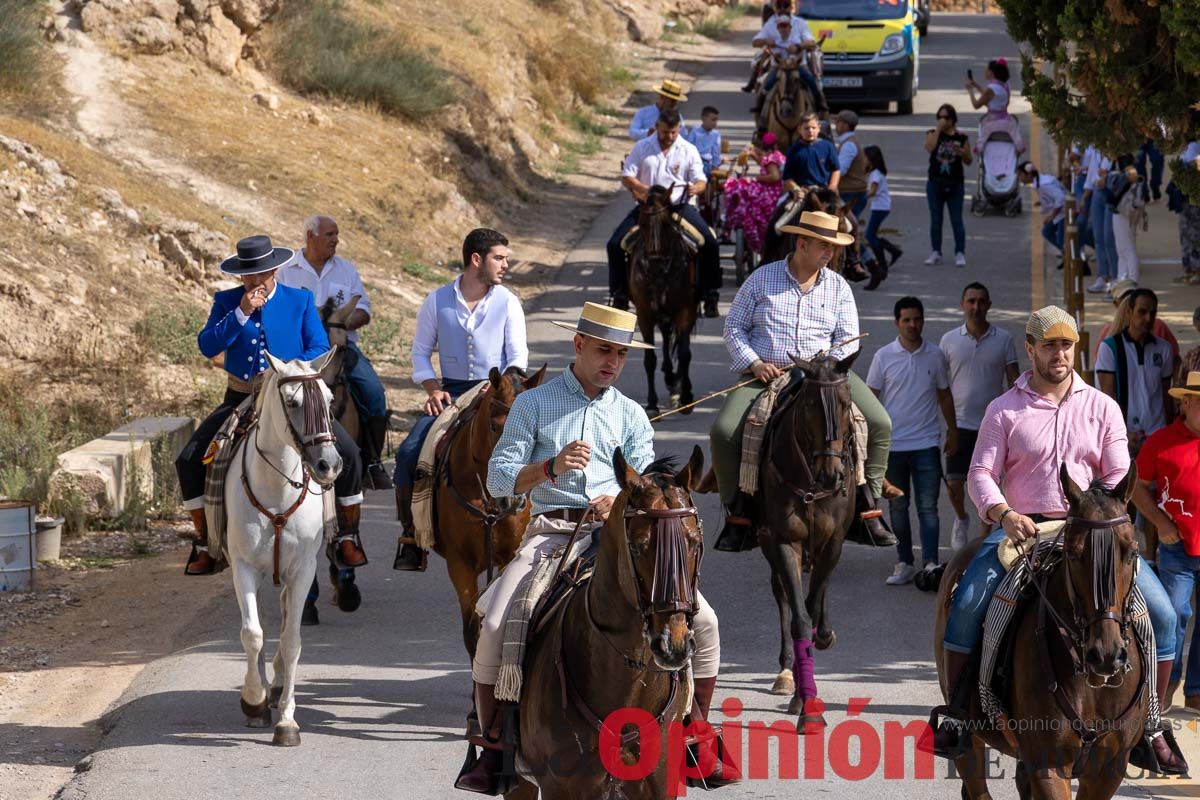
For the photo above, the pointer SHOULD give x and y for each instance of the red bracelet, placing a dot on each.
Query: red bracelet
(546, 469)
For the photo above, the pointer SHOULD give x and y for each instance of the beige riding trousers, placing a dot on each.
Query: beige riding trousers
(543, 536)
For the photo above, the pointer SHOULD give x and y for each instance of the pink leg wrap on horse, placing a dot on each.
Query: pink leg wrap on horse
(802, 669)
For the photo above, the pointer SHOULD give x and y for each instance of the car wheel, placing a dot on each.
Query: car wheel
(923, 30)
(904, 106)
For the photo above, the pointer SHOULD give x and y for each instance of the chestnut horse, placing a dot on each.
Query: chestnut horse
(622, 641)
(663, 294)
(806, 507)
(1077, 672)
(477, 533)
(788, 100)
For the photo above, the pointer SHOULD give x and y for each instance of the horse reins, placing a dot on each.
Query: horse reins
(1073, 636)
(317, 430)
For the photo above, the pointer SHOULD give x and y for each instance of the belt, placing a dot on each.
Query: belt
(569, 514)
(245, 387)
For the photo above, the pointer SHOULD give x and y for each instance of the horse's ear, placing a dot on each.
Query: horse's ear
(1070, 489)
(319, 363)
(844, 365)
(693, 472)
(535, 380)
(627, 476)
(275, 363)
(495, 377)
(1124, 489)
(804, 364)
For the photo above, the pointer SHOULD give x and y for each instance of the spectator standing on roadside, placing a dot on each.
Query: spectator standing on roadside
(1120, 319)
(1095, 196)
(1127, 195)
(1051, 201)
(945, 187)
(982, 360)
(1189, 221)
(1134, 367)
(911, 378)
(1191, 361)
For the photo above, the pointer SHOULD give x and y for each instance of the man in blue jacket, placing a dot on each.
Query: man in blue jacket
(244, 324)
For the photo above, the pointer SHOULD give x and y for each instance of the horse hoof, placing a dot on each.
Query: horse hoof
(674, 401)
(310, 616)
(810, 722)
(652, 411)
(258, 716)
(824, 640)
(347, 596)
(686, 400)
(785, 684)
(794, 705)
(276, 693)
(286, 735)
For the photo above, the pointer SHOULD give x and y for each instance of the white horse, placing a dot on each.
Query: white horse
(275, 525)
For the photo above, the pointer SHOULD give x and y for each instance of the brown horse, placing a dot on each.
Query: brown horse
(663, 294)
(779, 246)
(807, 505)
(475, 532)
(620, 642)
(336, 374)
(1079, 679)
(788, 100)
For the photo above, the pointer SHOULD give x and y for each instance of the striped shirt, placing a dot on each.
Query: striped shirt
(545, 420)
(772, 318)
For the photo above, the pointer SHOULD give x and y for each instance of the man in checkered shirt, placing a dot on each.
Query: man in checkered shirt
(794, 307)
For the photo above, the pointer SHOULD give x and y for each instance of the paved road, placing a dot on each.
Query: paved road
(383, 691)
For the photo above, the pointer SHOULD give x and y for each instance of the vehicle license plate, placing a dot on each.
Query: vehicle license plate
(842, 81)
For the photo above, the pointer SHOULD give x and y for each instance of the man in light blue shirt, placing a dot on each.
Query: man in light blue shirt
(474, 324)
(557, 446)
(707, 139)
(670, 95)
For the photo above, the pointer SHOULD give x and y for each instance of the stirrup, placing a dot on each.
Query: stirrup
(944, 716)
(194, 556)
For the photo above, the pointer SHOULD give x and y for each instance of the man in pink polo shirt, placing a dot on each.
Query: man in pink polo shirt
(1048, 418)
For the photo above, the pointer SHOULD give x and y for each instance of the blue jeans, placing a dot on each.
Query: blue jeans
(408, 453)
(1082, 224)
(1102, 234)
(872, 232)
(365, 386)
(1148, 152)
(1180, 575)
(1054, 232)
(923, 470)
(964, 628)
(941, 194)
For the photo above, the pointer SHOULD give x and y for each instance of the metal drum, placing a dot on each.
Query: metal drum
(16, 546)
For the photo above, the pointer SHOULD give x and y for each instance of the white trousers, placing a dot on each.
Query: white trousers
(543, 536)
(1125, 236)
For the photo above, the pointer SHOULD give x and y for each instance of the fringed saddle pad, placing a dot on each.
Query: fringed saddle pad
(422, 499)
(995, 668)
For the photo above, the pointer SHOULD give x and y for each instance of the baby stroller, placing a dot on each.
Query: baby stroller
(997, 187)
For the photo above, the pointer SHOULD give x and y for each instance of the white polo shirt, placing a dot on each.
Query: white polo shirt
(907, 384)
(1148, 366)
(1051, 195)
(338, 280)
(976, 370)
(679, 165)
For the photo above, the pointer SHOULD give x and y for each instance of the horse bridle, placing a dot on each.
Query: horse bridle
(833, 432)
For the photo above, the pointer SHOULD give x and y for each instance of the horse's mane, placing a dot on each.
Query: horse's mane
(663, 465)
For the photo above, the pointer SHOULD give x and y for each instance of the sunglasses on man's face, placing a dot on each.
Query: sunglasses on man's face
(942, 116)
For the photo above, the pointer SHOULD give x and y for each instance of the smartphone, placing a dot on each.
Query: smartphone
(970, 75)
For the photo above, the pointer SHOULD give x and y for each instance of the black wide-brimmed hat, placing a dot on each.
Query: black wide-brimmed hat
(254, 255)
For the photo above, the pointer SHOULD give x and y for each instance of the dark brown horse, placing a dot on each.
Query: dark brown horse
(464, 511)
(662, 290)
(1077, 671)
(778, 245)
(788, 100)
(336, 374)
(620, 642)
(807, 504)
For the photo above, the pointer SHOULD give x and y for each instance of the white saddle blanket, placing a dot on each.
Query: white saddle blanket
(422, 500)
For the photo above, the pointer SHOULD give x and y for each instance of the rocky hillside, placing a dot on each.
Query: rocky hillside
(158, 132)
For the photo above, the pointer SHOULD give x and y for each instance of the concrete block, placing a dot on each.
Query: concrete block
(102, 470)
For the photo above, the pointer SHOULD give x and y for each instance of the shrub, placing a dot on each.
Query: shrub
(21, 48)
(571, 62)
(319, 48)
(171, 332)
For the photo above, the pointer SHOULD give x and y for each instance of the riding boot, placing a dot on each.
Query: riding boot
(739, 533)
(409, 557)
(822, 105)
(878, 267)
(723, 772)
(870, 527)
(892, 250)
(1158, 752)
(949, 740)
(482, 777)
(375, 434)
(200, 562)
(348, 549)
(710, 305)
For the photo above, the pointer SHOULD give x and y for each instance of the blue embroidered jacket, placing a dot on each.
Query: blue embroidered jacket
(288, 326)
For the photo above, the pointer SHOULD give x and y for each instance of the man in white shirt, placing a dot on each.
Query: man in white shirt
(912, 379)
(330, 277)
(665, 159)
(982, 359)
(784, 35)
(1134, 367)
(670, 95)
(474, 324)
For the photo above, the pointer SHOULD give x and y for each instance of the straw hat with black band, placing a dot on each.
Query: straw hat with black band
(1190, 388)
(671, 90)
(606, 324)
(255, 254)
(819, 225)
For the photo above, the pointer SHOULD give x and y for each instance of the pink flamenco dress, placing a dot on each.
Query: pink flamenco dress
(751, 203)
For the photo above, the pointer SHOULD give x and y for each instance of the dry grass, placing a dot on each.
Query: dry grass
(22, 49)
